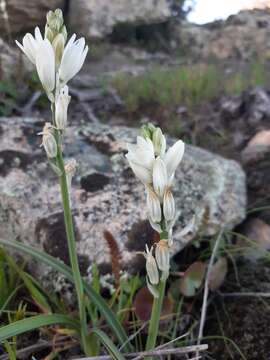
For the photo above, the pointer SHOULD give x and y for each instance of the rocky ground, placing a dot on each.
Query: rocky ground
(224, 180)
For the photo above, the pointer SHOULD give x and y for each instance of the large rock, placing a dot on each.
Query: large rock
(23, 15)
(242, 36)
(12, 62)
(97, 18)
(106, 195)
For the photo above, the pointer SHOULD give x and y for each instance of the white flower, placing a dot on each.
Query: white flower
(141, 157)
(30, 44)
(151, 266)
(61, 107)
(142, 153)
(168, 205)
(72, 59)
(153, 205)
(159, 142)
(160, 178)
(162, 255)
(173, 157)
(48, 140)
(45, 63)
(141, 172)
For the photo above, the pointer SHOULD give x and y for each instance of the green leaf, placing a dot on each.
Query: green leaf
(35, 322)
(112, 349)
(31, 285)
(65, 270)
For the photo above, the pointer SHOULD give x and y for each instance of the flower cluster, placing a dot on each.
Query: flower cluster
(56, 63)
(155, 167)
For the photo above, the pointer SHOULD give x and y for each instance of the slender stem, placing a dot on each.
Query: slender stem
(155, 317)
(72, 242)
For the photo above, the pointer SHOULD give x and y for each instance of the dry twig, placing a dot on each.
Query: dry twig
(206, 288)
(156, 352)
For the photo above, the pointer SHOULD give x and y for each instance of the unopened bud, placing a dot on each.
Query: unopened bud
(168, 205)
(61, 108)
(147, 131)
(152, 288)
(153, 205)
(159, 142)
(151, 266)
(64, 32)
(49, 34)
(58, 45)
(162, 255)
(70, 169)
(55, 25)
(48, 140)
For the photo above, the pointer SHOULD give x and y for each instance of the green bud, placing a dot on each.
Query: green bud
(49, 16)
(55, 21)
(64, 32)
(148, 130)
(49, 34)
(159, 142)
(58, 45)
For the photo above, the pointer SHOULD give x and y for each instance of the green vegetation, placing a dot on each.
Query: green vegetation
(186, 85)
(8, 97)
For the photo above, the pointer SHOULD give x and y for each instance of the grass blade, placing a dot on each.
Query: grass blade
(35, 322)
(65, 270)
(112, 349)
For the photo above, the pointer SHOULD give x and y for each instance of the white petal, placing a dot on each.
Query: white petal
(45, 63)
(173, 156)
(73, 58)
(38, 35)
(142, 173)
(160, 178)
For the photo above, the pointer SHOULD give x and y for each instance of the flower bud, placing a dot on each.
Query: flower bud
(152, 289)
(159, 142)
(168, 205)
(49, 34)
(55, 20)
(70, 169)
(48, 140)
(147, 131)
(151, 266)
(160, 177)
(58, 45)
(162, 255)
(64, 32)
(61, 107)
(153, 205)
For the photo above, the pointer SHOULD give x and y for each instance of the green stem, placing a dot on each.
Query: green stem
(155, 317)
(72, 245)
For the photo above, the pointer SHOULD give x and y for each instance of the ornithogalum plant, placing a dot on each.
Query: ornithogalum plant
(155, 168)
(57, 61)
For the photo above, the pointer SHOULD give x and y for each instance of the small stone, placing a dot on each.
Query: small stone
(258, 233)
(257, 147)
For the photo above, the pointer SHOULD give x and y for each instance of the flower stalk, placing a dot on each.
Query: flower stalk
(155, 168)
(56, 64)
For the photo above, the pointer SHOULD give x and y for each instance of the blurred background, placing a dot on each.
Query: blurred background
(200, 70)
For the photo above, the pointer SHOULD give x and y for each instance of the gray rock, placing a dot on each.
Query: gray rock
(12, 62)
(106, 195)
(24, 15)
(227, 39)
(97, 18)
